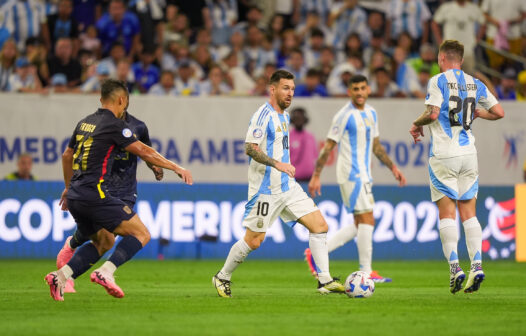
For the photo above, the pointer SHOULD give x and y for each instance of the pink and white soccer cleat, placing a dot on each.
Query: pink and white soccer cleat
(108, 282)
(70, 286)
(56, 287)
(65, 254)
(310, 262)
(378, 278)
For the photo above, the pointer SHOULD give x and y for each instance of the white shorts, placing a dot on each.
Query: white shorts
(357, 196)
(262, 210)
(456, 177)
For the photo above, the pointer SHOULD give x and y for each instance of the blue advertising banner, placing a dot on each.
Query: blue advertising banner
(204, 220)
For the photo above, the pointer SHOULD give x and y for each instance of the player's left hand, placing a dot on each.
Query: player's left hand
(399, 176)
(64, 201)
(158, 172)
(416, 132)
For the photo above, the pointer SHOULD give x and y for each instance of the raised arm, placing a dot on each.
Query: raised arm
(381, 154)
(150, 155)
(252, 150)
(496, 112)
(315, 183)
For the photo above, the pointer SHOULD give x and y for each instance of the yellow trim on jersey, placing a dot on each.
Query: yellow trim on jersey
(101, 193)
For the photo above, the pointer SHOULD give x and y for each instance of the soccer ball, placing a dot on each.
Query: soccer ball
(359, 285)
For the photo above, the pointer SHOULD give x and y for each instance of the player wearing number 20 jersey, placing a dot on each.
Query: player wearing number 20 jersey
(456, 94)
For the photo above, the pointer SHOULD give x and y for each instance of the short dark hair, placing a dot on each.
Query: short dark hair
(110, 86)
(279, 75)
(357, 79)
(453, 49)
(312, 72)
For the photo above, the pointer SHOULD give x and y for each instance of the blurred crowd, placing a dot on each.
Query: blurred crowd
(229, 47)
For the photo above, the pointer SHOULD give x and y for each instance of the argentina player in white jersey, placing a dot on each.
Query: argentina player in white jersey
(453, 170)
(355, 129)
(273, 191)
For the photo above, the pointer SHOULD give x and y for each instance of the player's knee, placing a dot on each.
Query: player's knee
(106, 243)
(254, 243)
(322, 227)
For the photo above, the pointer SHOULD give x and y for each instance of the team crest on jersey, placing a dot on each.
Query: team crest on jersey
(257, 133)
(127, 132)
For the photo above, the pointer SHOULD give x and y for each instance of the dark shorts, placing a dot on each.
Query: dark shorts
(105, 214)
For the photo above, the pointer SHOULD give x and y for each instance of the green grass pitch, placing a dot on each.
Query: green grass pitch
(270, 298)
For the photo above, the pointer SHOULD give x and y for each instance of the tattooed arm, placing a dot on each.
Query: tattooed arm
(314, 183)
(431, 114)
(252, 150)
(379, 152)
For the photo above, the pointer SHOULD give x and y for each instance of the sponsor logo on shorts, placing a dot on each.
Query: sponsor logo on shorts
(127, 210)
(127, 132)
(257, 133)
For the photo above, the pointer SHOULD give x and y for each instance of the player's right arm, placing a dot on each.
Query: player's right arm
(433, 102)
(150, 155)
(315, 183)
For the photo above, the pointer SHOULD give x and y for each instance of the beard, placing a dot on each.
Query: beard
(283, 104)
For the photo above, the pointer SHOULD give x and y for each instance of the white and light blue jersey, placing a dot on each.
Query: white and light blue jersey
(270, 131)
(457, 94)
(354, 131)
(22, 19)
(407, 16)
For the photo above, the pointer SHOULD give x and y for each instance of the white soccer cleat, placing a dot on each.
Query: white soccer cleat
(456, 279)
(476, 276)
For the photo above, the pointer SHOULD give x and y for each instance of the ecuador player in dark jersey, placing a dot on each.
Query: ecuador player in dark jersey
(87, 163)
(122, 184)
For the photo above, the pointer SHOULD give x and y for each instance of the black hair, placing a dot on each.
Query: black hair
(279, 75)
(110, 86)
(357, 79)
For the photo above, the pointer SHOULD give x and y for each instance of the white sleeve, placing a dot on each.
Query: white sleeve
(434, 94)
(257, 128)
(487, 100)
(376, 132)
(440, 15)
(337, 127)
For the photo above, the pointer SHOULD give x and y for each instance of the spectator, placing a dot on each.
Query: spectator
(25, 79)
(150, 14)
(337, 84)
(356, 60)
(203, 60)
(260, 88)
(146, 74)
(383, 87)
(216, 84)
(313, 23)
(59, 83)
(312, 51)
(253, 52)
(24, 19)
(253, 19)
(63, 62)
(86, 60)
(195, 10)
(289, 42)
(275, 28)
(296, 66)
(303, 146)
(123, 73)
(119, 25)
(36, 53)
(376, 23)
(93, 83)
(376, 44)
(220, 16)
(321, 7)
(24, 165)
(506, 89)
(405, 76)
(410, 46)
(236, 46)
(411, 16)
(242, 83)
(326, 64)
(347, 18)
(427, 58)
(379, 60)
(459, 20)
(312, 86)
(89, 40)
(7, 63)
(203, 38)
(86, 12)
(166, 86)
(62, 24)
(186, 84)
(353, 44)
(503, 27)
(423, 79)
(177, 29)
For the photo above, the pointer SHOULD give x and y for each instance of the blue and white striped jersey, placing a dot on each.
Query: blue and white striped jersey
(407, 16)
(354, 131)
(270, 130)
(457, 94)
(22, 19)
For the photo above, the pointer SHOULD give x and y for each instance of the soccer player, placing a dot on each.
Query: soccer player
(273, 191)
(87, 163)
(122, 184)
(355, 129)
(453, 170)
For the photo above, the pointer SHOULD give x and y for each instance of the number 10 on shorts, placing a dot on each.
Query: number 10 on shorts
(262, 209)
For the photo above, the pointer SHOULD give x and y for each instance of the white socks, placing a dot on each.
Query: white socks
(365, 246)
(341, 237)
(318, 248)
(66, 272)
(449, 238)
(473, 233)
(108, 267)
(236, 256)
